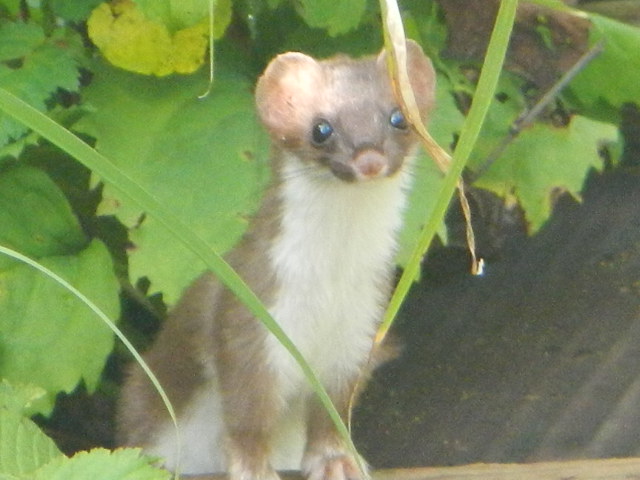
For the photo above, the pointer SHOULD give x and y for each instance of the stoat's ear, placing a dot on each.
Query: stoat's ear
(421, 75)
(286, 94)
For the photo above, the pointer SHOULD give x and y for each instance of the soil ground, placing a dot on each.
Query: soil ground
(539, 359)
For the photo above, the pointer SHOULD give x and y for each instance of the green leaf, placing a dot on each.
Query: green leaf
(507, 105)
(12, 6)
(157, 37)
(203, 158)
(18, 39)
(541, 161)
(446, 119)
(336, 17)
(186, 13)
(41, 321)
(18, 398)
(23, 447)
(74, 10)
(26, 453)
(15, 148)
(121, 464)
(424, 21)
(177, 14)
(611, 79)
(46, 64)
(427, 182)
(35, 217)
(38, 320)
(545, 160)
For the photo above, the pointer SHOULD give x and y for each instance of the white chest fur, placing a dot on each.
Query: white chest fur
(332, 261)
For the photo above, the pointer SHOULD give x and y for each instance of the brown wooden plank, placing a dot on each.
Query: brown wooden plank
(610, 469)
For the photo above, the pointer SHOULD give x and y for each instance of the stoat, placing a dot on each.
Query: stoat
(319, 254)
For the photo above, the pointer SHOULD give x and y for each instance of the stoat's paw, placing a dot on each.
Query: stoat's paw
(239, 472)
(332, 465)
(249, 475)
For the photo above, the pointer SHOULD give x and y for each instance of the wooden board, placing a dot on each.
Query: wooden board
(612, 469)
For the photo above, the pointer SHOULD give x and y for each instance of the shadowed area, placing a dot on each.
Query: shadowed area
(537, 360)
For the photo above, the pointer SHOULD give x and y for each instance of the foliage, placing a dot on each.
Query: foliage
(548, 159)
(162, 125)
(23, 447)
(542, 161)
(34, 65)
(158, 37)
(94, 67)
(600, 90)
(36, 219)
(27, 453)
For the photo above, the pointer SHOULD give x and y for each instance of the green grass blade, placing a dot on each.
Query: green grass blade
(470, 130)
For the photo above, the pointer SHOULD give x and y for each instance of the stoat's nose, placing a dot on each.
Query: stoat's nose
(369, 164)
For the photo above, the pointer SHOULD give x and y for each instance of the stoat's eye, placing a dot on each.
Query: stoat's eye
(397, 120)
(321, 132)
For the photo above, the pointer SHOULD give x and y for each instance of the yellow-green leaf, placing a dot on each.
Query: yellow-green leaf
(130, 40)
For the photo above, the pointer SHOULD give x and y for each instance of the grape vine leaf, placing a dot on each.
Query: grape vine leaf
(18, 398)
(611, 79)
(158, 37)
(178, 14)
(203, 158)
(19, 39)
(12, 7)
(507, 106)
(74, 10)
(26, 453)
(542, 161)
(120, 464)
(547, 160)
(33, 67)
(336, 17)
(35, 217)
(23, 446)
(39, 320)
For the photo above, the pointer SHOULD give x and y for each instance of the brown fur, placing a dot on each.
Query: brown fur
(210, 330)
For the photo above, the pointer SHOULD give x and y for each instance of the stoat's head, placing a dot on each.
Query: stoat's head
(340, 115)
